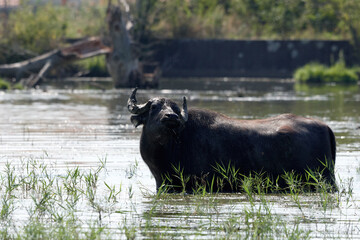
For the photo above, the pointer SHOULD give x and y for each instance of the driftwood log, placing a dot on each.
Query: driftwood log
(38, 67)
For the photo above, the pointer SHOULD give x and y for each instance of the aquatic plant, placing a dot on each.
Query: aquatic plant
(319, 73)
(228, 178)
(4, 85)
(94, 67)
(56, 204)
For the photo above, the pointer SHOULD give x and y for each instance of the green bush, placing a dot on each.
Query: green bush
(17, 86)
(245, 19)
(318, 73)
(339, 73)
(86, 20)
(95, 66)
(37, 29)
(41, 28)
(312, 72)
(4, 85)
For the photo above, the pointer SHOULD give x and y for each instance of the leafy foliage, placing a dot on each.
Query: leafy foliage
(95, 66)
(282, 19)
(4, 85)
(37, 30)
(40, 28)
(318, 73)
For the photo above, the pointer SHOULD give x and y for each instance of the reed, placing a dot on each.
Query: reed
(56, 204)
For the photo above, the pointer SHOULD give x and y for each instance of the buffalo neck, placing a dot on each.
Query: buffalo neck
(157, 152)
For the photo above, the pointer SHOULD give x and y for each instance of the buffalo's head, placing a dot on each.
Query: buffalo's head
(158, 114)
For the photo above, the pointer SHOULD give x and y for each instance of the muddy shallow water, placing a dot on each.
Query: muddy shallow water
(68, 128)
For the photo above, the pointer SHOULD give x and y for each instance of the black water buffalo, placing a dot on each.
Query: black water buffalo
(176, 143)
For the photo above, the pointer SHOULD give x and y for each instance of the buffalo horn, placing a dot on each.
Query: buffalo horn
(184, 111)
(133, 107)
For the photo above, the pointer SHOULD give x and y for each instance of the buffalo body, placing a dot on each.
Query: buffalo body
(179, 142)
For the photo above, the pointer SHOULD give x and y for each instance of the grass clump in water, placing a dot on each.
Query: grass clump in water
(79, 204)
(319, 73)
(93, 67)
(5, 85)
(229, 179)
(53, 202)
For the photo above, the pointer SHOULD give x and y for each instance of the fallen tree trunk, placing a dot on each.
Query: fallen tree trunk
(41, 65)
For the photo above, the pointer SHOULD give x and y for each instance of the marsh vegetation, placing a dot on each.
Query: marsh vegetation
(319, 73)
(41, 202)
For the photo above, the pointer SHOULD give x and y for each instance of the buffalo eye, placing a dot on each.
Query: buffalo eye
(155, 107)
(176, 109)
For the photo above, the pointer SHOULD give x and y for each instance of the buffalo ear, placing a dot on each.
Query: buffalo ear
(137, 120)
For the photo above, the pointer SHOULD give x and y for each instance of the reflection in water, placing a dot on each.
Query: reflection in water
(69, 128)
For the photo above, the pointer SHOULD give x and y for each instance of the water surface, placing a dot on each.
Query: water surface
(67, 128)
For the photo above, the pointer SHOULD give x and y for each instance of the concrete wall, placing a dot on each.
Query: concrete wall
(232, 58)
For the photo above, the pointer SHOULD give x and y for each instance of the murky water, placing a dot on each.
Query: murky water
(67, 128)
